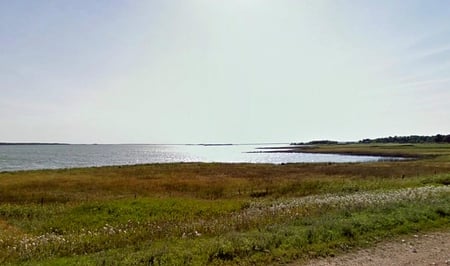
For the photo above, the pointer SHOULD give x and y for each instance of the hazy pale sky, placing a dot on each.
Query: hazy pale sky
(190, 71)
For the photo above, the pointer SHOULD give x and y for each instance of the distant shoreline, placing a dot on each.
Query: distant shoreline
(153, 144)
(29, 143)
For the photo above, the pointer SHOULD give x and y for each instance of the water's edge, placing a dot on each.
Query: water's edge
(36, 157)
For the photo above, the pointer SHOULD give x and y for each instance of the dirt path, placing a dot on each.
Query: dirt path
(421, 249)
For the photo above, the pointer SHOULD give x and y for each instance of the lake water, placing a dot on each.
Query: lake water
(28, 157)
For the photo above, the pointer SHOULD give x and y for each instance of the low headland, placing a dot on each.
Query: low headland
(223, 214)
(396, 146)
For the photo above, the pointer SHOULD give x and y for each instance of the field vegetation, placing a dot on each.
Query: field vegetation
(222, 214)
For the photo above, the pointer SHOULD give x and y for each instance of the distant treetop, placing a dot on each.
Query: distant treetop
(410, 139)
(396, 139)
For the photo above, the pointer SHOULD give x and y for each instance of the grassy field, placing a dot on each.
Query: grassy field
(221, 214)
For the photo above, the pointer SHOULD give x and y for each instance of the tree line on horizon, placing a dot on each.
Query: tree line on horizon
(410, 139)
(391, 139)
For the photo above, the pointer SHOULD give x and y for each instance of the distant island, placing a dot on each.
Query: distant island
(396, 139)
(316, 142)
(215, 144)
(31, 143)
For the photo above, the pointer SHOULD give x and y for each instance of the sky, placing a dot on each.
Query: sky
(234, 71)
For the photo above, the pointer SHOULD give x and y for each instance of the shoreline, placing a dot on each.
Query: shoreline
(353, 150)
(102, 158)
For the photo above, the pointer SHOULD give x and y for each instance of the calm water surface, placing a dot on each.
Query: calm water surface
(27, 157)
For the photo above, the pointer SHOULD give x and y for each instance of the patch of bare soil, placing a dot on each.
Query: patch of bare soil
(421, 249)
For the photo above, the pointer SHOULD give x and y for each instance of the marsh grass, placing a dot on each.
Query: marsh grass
(270, 239)
(429, 150)
(218, 214)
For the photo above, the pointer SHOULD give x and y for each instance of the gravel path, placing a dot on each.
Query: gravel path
(421, 249)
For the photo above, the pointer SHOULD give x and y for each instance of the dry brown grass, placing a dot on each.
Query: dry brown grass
(201, 180)
(401, 150)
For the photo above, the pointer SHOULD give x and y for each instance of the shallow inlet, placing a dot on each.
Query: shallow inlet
(31, 157)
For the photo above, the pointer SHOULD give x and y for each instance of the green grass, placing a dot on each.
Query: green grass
(220, 214)
(320, 234)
